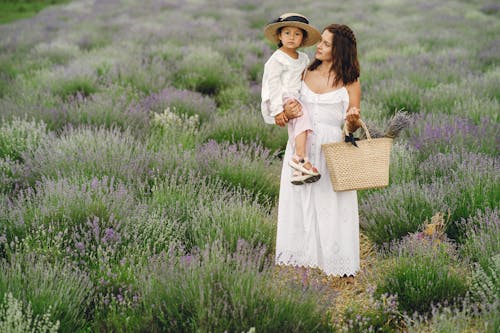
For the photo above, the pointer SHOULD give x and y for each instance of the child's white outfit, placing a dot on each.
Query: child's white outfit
(281, 81)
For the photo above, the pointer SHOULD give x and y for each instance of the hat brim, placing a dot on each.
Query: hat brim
(313, 34)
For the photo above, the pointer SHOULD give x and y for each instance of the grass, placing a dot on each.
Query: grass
(11, 10)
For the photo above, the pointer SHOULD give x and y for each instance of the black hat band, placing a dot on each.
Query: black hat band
(292, 18)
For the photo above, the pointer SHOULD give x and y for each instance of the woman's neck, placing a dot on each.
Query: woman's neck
(324, 68)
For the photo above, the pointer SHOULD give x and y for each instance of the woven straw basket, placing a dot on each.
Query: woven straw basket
(358, 168)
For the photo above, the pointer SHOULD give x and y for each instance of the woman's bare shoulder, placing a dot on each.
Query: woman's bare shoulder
(354, 86)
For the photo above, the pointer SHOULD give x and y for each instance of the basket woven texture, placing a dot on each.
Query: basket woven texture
(358, 168)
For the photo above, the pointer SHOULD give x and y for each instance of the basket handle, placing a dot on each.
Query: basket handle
(368, 136)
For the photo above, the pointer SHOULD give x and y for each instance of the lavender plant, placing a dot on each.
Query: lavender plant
(183, 102)
(78, 65)
(240, 165)
(169, 129)
(376, 315)
(245, 125)
(110, 108)
(233, 97)
(91, 152)
(203, 211)
(401, 208)
(231, 219)
(224, 291)
(393, 213)
(16, 317)
(441, 133)
(463, 317)
(423, 273)
(18, 136)
(485, 285)
(55, 208)
(11, 174)
(396, 95)
(403, 167)
(45, 284)
(205, 71)
(482, 235)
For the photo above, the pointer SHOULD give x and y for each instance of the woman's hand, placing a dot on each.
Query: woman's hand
(292, 109)
(281, 119)
(352, 119)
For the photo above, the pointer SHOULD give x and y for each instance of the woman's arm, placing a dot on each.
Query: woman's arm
(353, 110)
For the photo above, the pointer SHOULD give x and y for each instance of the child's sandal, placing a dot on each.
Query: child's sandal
(299, 178)
(298, 164)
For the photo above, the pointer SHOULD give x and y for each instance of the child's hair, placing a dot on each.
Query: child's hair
(304, 36)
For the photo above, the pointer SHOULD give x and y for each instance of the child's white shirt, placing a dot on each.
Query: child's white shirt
(282, 78)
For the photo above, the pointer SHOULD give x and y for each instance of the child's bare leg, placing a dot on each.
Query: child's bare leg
(300, 147)
(300, 144)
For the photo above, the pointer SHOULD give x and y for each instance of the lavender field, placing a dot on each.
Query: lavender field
(139, 183)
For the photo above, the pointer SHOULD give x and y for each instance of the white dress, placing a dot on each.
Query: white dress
(318, 227)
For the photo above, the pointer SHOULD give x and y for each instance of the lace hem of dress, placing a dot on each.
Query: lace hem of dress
(341, 266)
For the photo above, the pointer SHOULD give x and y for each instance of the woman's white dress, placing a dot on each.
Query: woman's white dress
(318, 227)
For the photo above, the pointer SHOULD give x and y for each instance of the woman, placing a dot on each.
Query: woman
(318, 227)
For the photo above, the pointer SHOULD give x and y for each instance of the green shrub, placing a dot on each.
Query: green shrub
(46, 284)
(65, 205)
(470, 185)
(392, 213)
(423, 273)
(14, 10)
(16, 317)
(18, 136)
(66, 89)
(245, 125)
(91, 152)
(169, 129)
(396, 95)
(482, 235)
(233, 97)
(485, 286)
(108, 108)
(375, 316)
(467, 316)
(204, 70)
(232, 218)
(251, 167)
(203, 210)
(218, 291)
(11, 175)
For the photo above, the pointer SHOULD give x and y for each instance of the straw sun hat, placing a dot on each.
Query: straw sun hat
(292, 20)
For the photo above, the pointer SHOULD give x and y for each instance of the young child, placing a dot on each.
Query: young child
(281, 81)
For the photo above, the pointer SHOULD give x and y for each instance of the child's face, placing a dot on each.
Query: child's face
(291, 37)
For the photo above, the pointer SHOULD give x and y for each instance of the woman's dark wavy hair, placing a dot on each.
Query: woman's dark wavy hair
(345, 64)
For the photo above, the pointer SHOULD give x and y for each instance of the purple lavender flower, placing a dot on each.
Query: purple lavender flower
(443, 133)
(180, 101)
